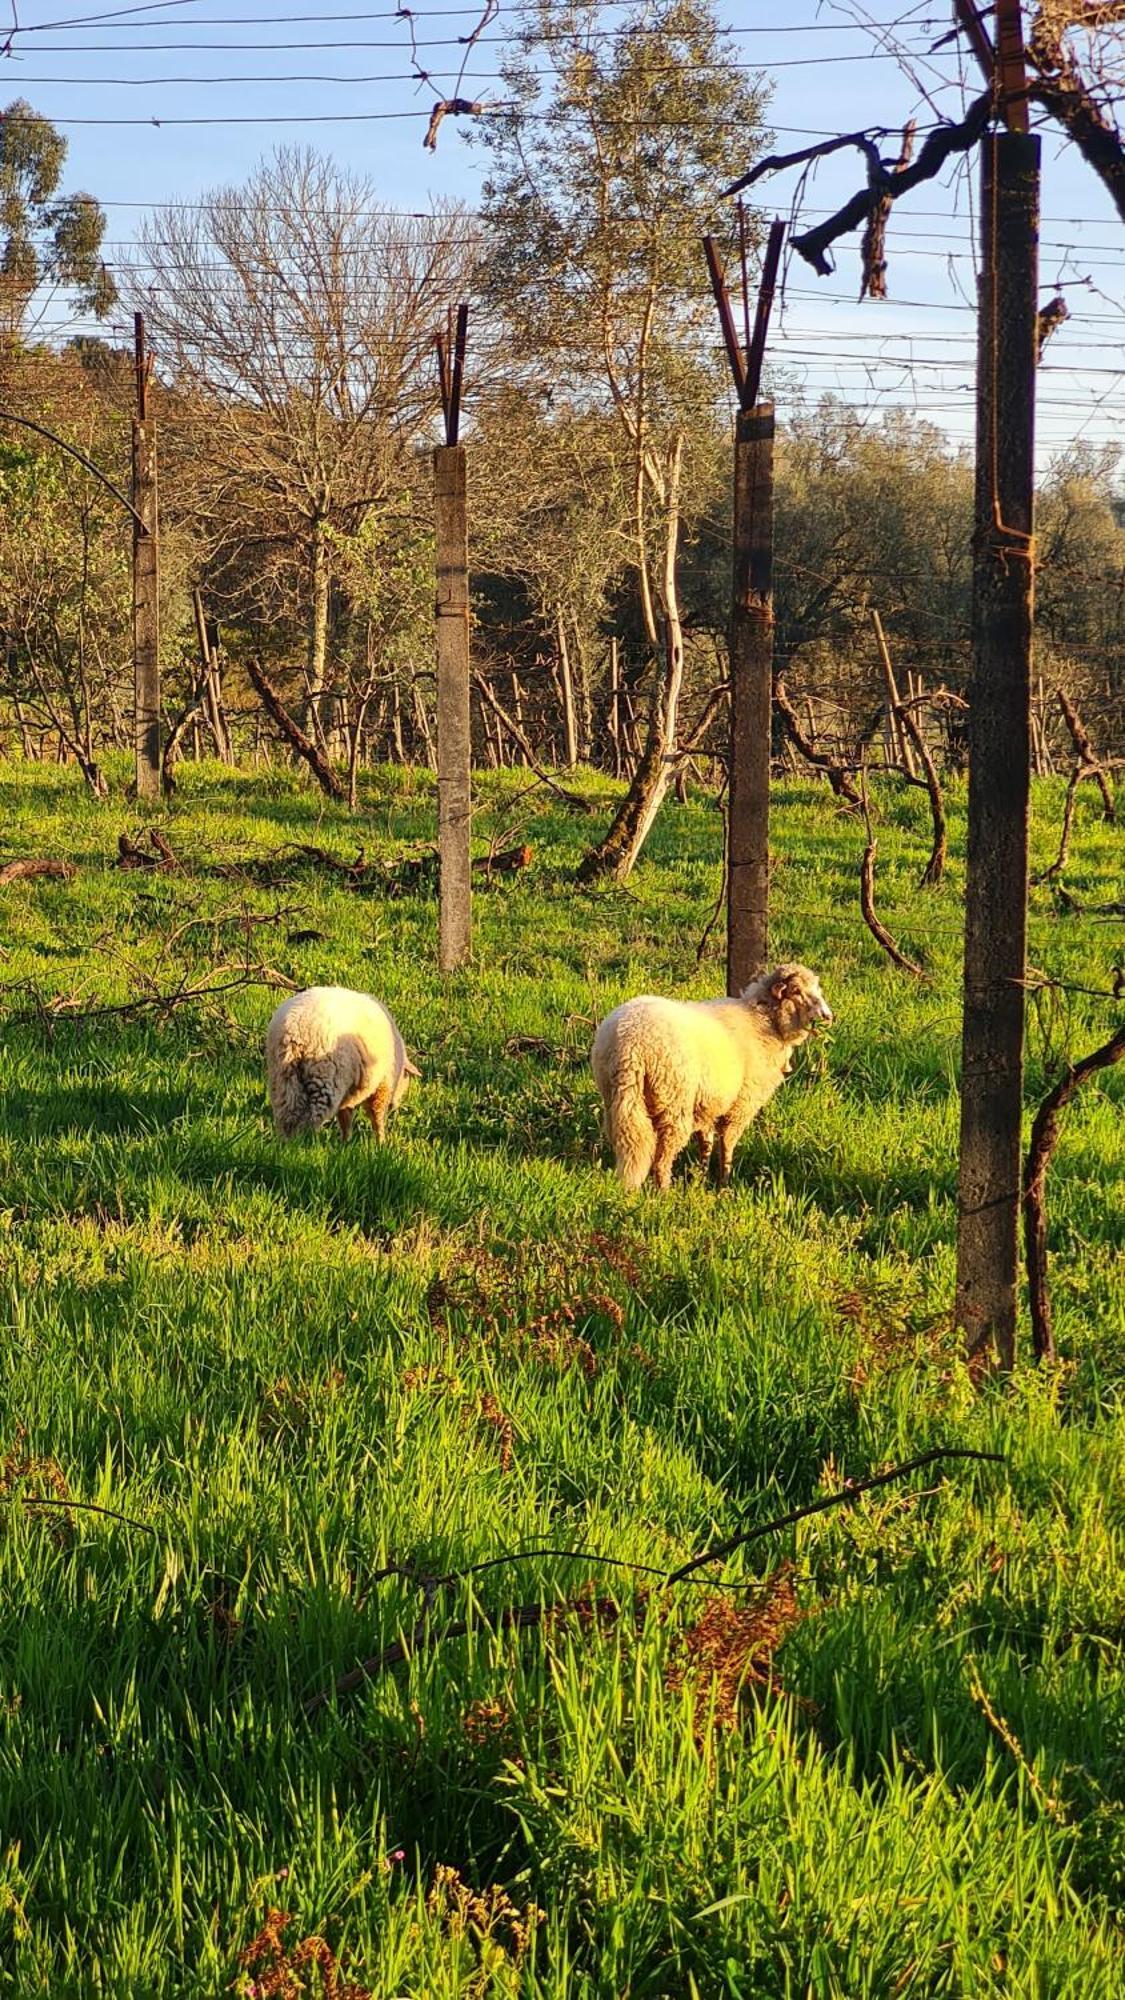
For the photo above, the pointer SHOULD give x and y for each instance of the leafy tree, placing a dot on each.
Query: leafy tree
(46, 239)
(875, 515)
(1080, 586)
(295, 319)
(603, 178)
(550, 515)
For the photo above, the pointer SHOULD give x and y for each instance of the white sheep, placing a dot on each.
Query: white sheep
(329, 1050)
(669, 1068)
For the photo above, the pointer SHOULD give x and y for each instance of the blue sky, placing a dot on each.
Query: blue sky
(337, 76)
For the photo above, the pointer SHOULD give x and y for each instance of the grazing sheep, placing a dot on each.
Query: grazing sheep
(329, 1050)
(669, 1068)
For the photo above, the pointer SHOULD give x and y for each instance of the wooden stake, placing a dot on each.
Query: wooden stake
(751, 676)
(453, 722)
(999, 759)
(146, 585)
(900, 741)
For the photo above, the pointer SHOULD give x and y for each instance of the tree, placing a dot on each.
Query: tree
(550, 516)
(65, 597)
(603, 175)
(875, 515)
(46, 239)
(295, 317)
(64, 570)
(1080, 588)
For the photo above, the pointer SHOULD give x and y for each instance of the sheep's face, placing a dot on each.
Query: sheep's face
(401, 1087)
(796, 1002)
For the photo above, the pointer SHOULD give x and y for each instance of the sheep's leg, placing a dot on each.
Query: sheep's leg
(376, 1109)
(729, 1136)
(670, 1140)
(704, 1142)
(344, 1118)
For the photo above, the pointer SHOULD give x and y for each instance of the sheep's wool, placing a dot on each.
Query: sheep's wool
(668, 1069)
(329, 1050)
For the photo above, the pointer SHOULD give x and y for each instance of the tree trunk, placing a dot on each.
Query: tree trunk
(317, 662)
(354, 747)
(566, 680)
(616, 855)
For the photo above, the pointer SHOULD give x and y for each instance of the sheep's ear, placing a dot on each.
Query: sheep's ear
(779, 986)
(410, 1069)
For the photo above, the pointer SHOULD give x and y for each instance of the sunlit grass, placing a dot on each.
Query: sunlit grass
(299, 1363)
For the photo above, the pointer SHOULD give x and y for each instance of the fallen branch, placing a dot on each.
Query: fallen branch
(507, 861)
(129, 855)
(521, 1616)
(422, 870)
(834, 772)
(1044, 1137)
(22, 871)
(294, 735)
(852, 1490)
(354, 871)
(67, 1007)
(70, 1505)
(878, 929)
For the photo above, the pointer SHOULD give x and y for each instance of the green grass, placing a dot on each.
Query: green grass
(297, 1363)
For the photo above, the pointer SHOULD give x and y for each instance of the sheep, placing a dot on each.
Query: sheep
(329, 1050)
(668, 1069)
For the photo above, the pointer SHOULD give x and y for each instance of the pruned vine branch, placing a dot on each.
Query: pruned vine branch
(521, 1616)
(50, 1009)
(885, 184)
(874, 923)
(1044, 1137)
(1063, 93)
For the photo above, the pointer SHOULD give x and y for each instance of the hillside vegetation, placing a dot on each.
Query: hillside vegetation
(893, 1763)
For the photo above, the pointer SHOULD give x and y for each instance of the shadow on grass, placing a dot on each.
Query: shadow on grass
(841, 1188)
(96, 1106)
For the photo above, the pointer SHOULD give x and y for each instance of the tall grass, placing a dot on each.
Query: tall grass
(297, 1364)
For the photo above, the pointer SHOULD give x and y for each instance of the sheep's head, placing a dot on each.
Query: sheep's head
(405, 1073)
(792, 997)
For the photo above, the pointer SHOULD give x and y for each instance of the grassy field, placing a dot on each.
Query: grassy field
(893, 1764)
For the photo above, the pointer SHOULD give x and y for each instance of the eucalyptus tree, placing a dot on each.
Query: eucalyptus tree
(604, 169)
(49, 242)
